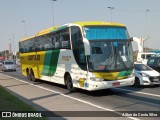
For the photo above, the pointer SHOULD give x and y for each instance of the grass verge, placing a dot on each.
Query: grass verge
(8, 102)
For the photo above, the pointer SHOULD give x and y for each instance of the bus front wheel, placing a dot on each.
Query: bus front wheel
(136, 82)
(69, 84)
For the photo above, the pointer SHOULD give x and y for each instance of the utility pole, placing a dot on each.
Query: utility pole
(147, 34)
(53, 10)
(25, 31)
(111, 8)
(14, 53)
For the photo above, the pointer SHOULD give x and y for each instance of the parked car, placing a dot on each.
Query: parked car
(144, 56)
(144, 75)
(8, 65)
(154, 63)
(1, 63)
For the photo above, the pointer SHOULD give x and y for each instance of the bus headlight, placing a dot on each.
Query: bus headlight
(131, 75)
(96, 79)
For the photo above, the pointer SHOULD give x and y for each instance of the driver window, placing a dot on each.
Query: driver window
(65, 39)
(82, 58)
(96, 50)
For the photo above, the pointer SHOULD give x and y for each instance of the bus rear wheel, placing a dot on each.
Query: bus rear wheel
(32, 76)
(28, 74)
(69, 84)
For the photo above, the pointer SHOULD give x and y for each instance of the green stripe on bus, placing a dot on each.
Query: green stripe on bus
(50, 62)
(125, 73)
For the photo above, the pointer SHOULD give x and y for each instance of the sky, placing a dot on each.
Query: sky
(142, 17)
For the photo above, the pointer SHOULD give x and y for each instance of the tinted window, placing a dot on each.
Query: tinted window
(148, 56)
(65, 38)
(8, 63)
(105, 32)
(78, 47)
(158, 62)
(141, 67)
(154, 61)
(143, 56)
(27, 46)
(56, 40)
(43, 42)
(151, 62)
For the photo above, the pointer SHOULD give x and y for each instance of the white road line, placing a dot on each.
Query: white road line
(77, 99)
(155, 95)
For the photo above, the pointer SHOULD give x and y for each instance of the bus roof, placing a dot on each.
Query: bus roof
(27, 38)
(42, 32)
(46, 31)
(99, 23)
(87, 23)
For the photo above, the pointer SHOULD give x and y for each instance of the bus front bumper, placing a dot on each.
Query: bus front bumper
(93, 85)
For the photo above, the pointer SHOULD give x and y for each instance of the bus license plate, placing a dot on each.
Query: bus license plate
(116, 84)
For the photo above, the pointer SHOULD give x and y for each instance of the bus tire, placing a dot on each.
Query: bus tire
(136, 82)
(32, 76)
(28, 74)
(69, 84)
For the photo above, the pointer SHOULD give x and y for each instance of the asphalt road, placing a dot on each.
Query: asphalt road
(117, 99)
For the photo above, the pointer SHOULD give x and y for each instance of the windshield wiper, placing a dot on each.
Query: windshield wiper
(116, 54)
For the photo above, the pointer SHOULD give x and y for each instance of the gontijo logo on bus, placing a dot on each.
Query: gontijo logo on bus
(33, 57)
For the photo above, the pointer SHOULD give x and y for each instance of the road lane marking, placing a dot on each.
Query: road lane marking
(155, 95)
(77, 99)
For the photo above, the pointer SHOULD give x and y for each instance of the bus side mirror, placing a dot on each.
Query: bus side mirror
(131, 38)
(86, 46)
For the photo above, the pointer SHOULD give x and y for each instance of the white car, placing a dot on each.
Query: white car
(144, 75)
(8, 65)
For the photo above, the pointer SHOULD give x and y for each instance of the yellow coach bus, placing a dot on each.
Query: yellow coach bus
(85, 55)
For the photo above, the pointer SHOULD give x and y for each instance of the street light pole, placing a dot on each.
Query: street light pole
(147, 16)
(10, 49)
(53, 10)
(111, 8)
(14, 53)
(147, 10)
(24, 27)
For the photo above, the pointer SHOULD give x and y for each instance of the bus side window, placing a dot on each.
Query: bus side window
(38, 44)
(65, 39)
(82, 58)
(20, 47)
(78, 47)
(56, 44)
(48, 45)
(30, 44)
(57, 40)
(52, 41)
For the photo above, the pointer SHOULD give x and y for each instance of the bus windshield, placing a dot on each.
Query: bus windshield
(110, 56)
(110, 49)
